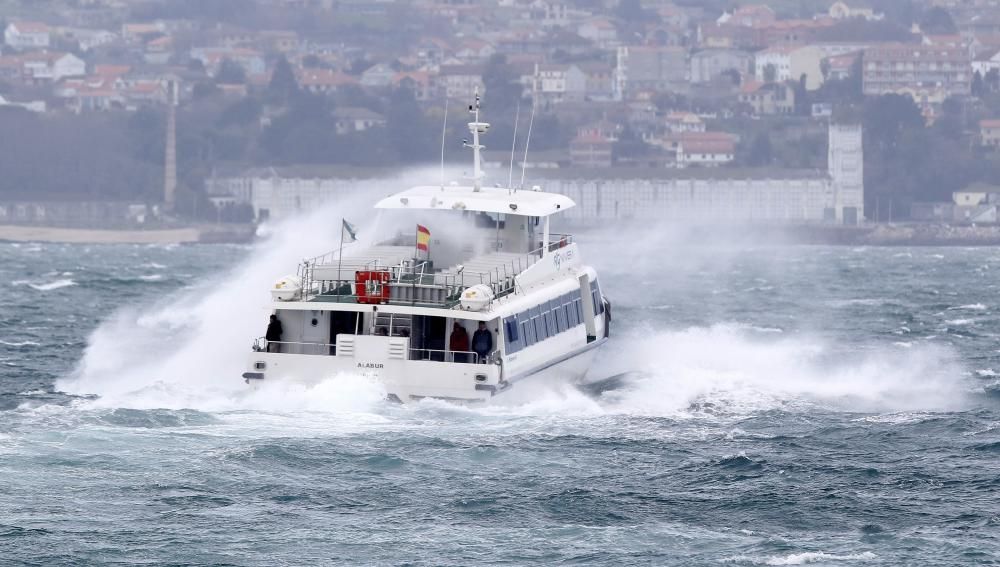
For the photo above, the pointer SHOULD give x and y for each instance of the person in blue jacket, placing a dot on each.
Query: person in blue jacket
(482, 342)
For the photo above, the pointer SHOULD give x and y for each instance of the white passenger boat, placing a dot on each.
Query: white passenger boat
(398, 311)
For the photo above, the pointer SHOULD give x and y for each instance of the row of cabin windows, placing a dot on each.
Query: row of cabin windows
(546, 320)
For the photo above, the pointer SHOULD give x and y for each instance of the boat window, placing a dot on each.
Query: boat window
(511, 332)
(528, 332)
(595, 293)
(541, 330)
(561, 317)
(550, 322)
(578, 303)
(570, 312)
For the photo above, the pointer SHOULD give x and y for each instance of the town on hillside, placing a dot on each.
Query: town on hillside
(156, 112)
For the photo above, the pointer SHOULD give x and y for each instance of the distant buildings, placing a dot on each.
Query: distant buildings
(694, 195)
(650, 68)
(709, 64)
(27, 35)
(790, 63)
(929, 74)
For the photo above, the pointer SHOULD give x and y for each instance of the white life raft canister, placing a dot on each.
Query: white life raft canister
(287, 288)
(477, 297)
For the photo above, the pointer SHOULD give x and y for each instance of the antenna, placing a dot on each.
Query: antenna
(531, 122)
(513, 146)
(444, 130)
(476, 128)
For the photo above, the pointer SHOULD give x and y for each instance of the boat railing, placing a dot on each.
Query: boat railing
(439, 355)
(415, 282)
(261, 344)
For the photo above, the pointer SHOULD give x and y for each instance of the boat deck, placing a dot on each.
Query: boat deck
(330, 278)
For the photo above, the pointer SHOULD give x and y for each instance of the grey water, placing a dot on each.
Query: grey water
(758, 405)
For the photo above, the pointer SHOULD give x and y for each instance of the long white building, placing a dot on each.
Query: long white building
(758, 195)
(695, 195)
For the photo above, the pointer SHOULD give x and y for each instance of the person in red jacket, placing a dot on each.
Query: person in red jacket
(459, 343)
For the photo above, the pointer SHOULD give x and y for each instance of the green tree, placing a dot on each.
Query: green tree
(770, 73)
(503, 91)
(630, 11)
(978, 85)
(410, 129)
(283, 86)
(937, 21)
(230, 73)
(992, 80)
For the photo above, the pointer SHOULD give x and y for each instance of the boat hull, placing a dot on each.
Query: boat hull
(412, 380)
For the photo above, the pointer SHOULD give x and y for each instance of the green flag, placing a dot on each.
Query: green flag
(349, 232)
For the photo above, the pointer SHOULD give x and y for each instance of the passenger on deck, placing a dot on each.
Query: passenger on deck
(273, 336)
(382, 332)
(459, 343)
(482, 342)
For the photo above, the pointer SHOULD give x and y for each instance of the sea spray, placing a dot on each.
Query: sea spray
(190, 349)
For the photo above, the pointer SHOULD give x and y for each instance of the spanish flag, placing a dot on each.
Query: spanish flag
(423, 238)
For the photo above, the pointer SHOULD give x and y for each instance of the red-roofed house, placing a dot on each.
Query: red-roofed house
(986, 61)
(27, 35)
(702, 148)
(850, 9)
(356, 119)
(323, 80)
(460, 81)
(768, 99)
(419, 82)
(682, 122)
(838, 67)
(929, 74)
(46, 67)
(989, 132)
(751, 16)
(593, 145)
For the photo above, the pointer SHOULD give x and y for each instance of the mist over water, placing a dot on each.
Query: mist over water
(758, 405)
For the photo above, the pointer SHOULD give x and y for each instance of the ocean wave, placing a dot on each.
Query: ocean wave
(151, 278)
(681, 373)
(818, 557)
(19, 343)
(51, 286)
(970, 307)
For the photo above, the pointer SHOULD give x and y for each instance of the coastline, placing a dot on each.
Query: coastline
(889, 235)
(184, 235)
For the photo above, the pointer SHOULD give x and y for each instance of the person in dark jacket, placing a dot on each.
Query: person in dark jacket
(482, 342)
(273, 335)
(458, 344)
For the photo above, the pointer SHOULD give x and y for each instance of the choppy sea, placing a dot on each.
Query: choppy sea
(758, 405)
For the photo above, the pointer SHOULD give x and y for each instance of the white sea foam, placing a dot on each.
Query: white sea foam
(818, 557)
(970, 307)
(57, 284)
(151, 278)
(19, 343)
(725, 368)
(190, 350)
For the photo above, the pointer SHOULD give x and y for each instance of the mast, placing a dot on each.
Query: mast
(476, 128)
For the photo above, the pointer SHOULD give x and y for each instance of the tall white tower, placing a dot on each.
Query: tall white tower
(845, 163)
